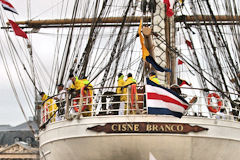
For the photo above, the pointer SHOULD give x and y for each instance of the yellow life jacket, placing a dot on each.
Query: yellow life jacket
(121, 83)
(49, 103)
(85, 82)
(154, 79)
(44, 97)
(77, 85)
(129, 81)
(51, 106)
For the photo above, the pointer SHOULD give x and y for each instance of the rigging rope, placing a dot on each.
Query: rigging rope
(180, 55)
(115, 46)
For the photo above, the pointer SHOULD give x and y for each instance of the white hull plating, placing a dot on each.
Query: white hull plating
(70, 140)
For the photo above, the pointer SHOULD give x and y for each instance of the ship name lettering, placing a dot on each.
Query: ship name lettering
(163, 128)
(149, 127)
(114, 127)
(125, 127)
(180, 128)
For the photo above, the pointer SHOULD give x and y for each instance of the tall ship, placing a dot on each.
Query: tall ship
(178, 62)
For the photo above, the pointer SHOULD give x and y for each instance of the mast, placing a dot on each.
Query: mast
(133, 21)
(162, 55)
(37, 111)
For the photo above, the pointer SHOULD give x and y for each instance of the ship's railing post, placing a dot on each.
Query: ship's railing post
(45, 112)
(80, 106)
(52, 112)
(67, 115)
(135, 101)
(128, 99)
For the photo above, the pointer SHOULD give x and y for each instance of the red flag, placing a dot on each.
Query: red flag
(18, 31)
(169, 7)
(169, 12)
(8, 6)
(182, 82)
(180, 62)
(189, 44)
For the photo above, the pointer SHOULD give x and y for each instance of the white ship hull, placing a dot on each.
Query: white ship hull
(71, 140)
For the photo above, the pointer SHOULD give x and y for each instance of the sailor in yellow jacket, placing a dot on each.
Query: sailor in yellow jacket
(77, 85)
(120, 98)
(121, 83)
(86, 82)
(153, 77)
(130, 80)
(88, 92)
(51, 106)
(75, 90)
(44, 96)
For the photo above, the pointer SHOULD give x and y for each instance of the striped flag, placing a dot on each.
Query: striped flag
(8, 6)
(161, 100)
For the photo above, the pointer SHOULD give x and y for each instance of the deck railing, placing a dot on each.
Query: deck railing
(112, 104)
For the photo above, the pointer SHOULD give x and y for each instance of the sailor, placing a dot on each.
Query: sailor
(153, 77)
(121, 98)
(130, 80)
(60, 99)
(74, 91)
(176, 89)
(222, 114)
(86, 82)
(132, 94)
(69, 82)
(44, 96)
(193, 100)
(61, 93)
(121, 83)
(87, 92)
(76, 83)
(49, 107)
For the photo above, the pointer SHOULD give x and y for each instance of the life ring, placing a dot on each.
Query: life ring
(219, 102)
(75, 105)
